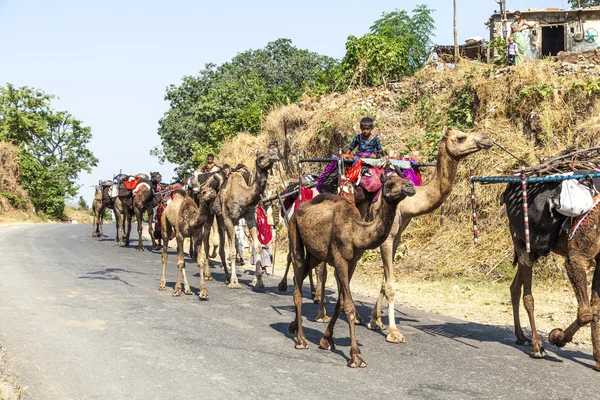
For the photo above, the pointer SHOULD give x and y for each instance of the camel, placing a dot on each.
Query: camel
(330, 229)
(547, 236)
(183, 217)
(98, 210)
(454, 146)
(237, 200)
(144, 201)
(103, 201)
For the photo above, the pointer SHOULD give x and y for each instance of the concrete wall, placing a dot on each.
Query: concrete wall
(576, 22)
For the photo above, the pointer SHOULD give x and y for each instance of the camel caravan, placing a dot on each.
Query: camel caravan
(335, 217)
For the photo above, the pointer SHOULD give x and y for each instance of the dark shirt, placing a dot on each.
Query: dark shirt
(372, 145)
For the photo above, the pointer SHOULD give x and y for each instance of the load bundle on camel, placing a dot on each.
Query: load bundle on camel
(329, 229)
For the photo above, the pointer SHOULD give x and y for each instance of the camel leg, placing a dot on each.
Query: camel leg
(139, 214)
(128, 218)
(95, 218)
(119, 226)
(166, 234)
(222, 249)
(283, 286)
(206, 233)
(296, 326)
(150, 211)
(343, 273)
(191, 252)
(576, 270)
(321, 279)
(181, 268)
(386, 255)
(202, 264)
(230, 231)
(201, 250)
(515, 296)
(526, 272)
(311, 281)
(257, 282)
(101, 222)
(595, 303)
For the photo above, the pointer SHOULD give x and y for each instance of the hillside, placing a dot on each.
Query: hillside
(536, 109)
(15, 205)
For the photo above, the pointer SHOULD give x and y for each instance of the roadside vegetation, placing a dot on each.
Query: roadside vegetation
(41, 153)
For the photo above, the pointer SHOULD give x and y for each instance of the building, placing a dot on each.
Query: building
(555, 30)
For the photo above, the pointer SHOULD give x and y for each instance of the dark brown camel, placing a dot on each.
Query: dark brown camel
(238, 200)
(144, 201)
(330, 229)
(548, 236)
(184, 218)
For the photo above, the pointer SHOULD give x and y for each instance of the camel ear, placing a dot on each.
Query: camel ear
(445, 131)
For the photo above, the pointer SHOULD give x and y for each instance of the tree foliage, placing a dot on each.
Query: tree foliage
(53, 143)
(233, 97)
(584, 3)
(397, 45)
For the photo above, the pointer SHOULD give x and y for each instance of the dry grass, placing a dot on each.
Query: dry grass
(532, 110)
(12, 195)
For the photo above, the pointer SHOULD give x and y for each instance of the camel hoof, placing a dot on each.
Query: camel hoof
(234, 285)
(177, 293)
(524, 341)
(209, 278)
(323, 320)
(376, 326)
(557, 337)
(162, 287)
(539, 354)
(326, 343)
(156, 248)
(188, 292)
(356, 362)
(301, 344)
(257, 284)
(597, 366)
(140, 249)
(203, 295)
(282, 287)
(395, 336)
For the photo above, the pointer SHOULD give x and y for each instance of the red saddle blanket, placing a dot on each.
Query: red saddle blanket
(131, 184)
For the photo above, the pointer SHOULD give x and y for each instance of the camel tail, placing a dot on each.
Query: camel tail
(295, 241)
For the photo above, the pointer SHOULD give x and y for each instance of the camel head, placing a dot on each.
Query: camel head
(461, 144)
(395, 188)
(156, 177)
(266, 158)
(208, 194)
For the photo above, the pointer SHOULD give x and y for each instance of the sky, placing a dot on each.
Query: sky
(109, 62)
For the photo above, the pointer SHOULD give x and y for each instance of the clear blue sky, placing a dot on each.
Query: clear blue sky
(109, 61)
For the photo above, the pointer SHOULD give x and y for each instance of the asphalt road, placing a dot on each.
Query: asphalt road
(83, 318)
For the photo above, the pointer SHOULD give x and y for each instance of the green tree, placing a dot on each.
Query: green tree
(584, 3)
(83, 205)
(396, 46)
(53, 143)
(223, 100)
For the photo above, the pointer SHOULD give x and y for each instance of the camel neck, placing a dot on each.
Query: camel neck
(376, 231)
(432, 195)
(259, 185)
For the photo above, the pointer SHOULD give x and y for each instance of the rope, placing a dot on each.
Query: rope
(511, 154)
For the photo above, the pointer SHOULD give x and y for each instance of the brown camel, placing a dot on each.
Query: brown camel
(547, 235)
(98, 210)
(238, 200)
(184, 218)
(454, 146)
(330, 229)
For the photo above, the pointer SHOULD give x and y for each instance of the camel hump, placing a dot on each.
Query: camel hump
(180, 191)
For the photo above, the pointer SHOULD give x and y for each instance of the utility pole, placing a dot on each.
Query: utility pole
(504, 20)
(456, 52)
